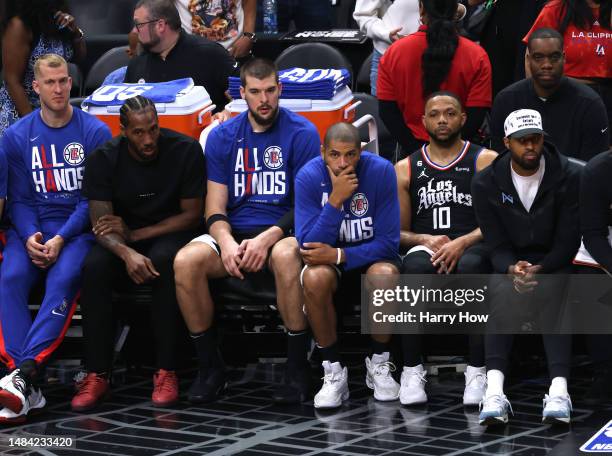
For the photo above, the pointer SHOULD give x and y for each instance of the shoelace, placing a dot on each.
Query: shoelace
(498, 400)
(165, 381)
(19, 383)
(332, 377)
(481, 377)
(556, 401)
(420, 375)
(88, 383)
(384, 368)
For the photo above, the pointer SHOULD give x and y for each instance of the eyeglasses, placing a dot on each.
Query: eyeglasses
(140, 24)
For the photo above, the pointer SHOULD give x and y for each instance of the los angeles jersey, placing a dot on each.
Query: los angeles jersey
(259, 168)
(46, 167)
(440, 195)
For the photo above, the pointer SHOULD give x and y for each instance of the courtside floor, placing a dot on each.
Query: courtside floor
(244, 422)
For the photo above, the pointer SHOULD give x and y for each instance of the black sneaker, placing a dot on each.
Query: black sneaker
(296, 387)
(208, 385)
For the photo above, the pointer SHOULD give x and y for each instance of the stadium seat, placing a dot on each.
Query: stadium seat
(362, 82)
(369, 105)
(313, 55)
(111, 60)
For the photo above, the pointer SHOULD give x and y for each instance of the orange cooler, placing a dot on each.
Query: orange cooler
(189, 114)
(322, 113)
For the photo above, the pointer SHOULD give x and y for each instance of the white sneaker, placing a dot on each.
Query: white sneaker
(475, 385)
(557, 409)
(494, 410)
(335, 386)
(379, 377)
(35, 400)
(412, 386)
(7, 379)
(14, 392)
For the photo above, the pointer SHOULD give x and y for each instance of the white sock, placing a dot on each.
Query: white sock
(380, 358)
(558, 387)
(495, 383)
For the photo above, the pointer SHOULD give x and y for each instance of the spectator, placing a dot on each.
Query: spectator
(230, 23)
(172, 54)
(305, 15)
(251, 162)
(586, 26)
(434, 58)
(146, 190)
(385, 22)
(342, 189)
(443, 237)
(39, 27)
(574, 115)
(49, 235)
(526, 203)
(596, 226)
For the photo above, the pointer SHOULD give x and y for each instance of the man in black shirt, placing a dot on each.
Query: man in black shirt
(574, 115)
(172, 54)
(145, 191)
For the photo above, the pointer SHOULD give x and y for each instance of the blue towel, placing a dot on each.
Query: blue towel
(158, 92)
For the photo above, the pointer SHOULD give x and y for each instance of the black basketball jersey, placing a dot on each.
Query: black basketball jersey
(441, 195)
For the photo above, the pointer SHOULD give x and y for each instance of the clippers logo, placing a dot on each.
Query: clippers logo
(359, 204)
(273, 157)
(507, 199)
(61, 309)
(74, 154)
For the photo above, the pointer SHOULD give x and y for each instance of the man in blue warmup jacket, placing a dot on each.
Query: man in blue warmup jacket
(346, 219)
(49, 234)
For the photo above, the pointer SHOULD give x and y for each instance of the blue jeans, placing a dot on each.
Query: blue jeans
(374, 71)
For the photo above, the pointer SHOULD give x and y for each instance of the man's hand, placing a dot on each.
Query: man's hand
(254, 253)
(53, 246)
(241, 47)
(316, 253)
(448, 255)
(343, 186)
(394, 34)
(139, 267)
(108, 224)
(222, 116)
(435, 243)
(231, 256)
(37, 250)
(522, 274)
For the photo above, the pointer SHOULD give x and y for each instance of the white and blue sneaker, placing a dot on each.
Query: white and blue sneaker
(494, 410)
(557, 409)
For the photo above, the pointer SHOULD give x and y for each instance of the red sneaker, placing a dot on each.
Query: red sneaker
(90, 392)
(165, 388)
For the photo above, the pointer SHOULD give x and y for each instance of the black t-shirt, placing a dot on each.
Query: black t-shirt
(145, 193)
(574, 117)
(207, 62)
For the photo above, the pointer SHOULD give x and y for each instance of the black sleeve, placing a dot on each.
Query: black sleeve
(286, 222)
(392, 117)
(567, 234)
(194, 177)
(134, 69)
(499, 113)
(595, 130)
(475, 117)
(97, 181)
(495, 236)
(594, 213)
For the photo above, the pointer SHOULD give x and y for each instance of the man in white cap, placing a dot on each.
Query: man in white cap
(526, 204)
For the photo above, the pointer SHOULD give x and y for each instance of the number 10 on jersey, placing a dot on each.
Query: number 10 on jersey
(441, 218)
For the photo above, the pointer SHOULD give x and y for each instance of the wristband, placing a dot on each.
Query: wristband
(339, 258)
(216, 218)
(251, 36)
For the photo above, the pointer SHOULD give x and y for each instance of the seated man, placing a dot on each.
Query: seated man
(146, 190)
(441, 231)
(526, 204)
(347, 219)
(49, 235)
(251, 161)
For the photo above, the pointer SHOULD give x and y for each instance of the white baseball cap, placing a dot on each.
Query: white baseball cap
(523, 122)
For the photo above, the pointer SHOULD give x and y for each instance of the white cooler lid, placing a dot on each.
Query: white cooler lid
(341, 99)
(187, 101)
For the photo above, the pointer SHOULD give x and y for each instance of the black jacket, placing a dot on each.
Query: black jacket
(548, 234)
